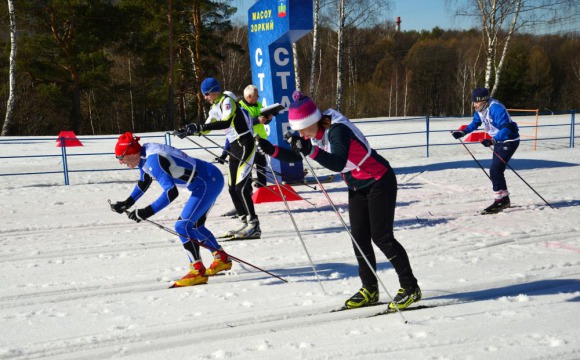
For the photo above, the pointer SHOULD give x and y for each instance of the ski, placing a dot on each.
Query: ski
(508, 209)
(234, 238)
(343, 308)
(393, 311)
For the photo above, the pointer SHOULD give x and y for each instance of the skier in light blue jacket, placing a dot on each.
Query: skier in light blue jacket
(172, 168)
(505, 139)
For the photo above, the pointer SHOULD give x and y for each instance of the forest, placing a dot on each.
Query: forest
(105, 67)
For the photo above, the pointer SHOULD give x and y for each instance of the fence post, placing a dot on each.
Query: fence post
(167, 138)
(572, 127)
(64, 159)
(427, 132)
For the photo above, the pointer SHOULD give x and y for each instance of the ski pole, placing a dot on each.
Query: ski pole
(263, 168)
(351, 237)
(296, 226)
(478, 163)
(207, 246)
(515, 172)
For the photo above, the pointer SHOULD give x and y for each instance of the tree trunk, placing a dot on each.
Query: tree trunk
(340, 39)
(12, 95)
(314, 47)
(131, 98)
(170, 115)
(296, 67)
(493, 16)
(508, 37)
(75, 116)
(196, 56)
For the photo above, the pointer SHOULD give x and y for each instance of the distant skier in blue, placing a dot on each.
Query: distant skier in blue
(505, 139)
(173, 168)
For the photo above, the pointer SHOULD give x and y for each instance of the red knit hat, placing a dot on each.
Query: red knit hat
(128, 144)
(303, 112)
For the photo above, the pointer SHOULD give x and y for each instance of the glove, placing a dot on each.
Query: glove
(265, 147)
(191, 129)
(122, 206)
(488, 142)
(222, 159)
(300, 145)
(458, 134)
(181, 133)
(194, 129)
(140, 214)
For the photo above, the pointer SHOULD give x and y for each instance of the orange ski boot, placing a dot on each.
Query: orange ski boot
(195, 276)
(221, 262)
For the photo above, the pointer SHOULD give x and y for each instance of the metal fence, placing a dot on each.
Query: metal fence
(431, 132)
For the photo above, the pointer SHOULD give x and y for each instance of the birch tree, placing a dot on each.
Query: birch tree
(12, 76)
(316, 8)
(501, 19)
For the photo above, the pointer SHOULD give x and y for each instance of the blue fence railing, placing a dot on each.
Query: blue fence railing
(428, 131)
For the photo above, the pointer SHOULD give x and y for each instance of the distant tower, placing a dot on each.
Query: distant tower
(398, 22)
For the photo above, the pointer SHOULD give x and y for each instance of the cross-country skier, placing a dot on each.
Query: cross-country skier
(226, 114)
(337, 144)
(172, 168)
(505, 139)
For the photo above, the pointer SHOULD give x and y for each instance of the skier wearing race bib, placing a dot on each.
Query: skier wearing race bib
(337, 144)
(505, 139)
(226, 114)
(172, 168)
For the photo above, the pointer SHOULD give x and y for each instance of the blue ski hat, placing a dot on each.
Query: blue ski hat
(209, 85)
(480, 94)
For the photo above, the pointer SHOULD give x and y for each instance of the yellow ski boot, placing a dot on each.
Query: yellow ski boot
(221, 262)
(196, 276)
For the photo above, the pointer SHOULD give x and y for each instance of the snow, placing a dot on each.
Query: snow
(79, 281)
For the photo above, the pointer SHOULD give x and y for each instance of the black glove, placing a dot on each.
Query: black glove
(194, 129)
(140, 214)
(265, 147)
(190, 129)
(122, 206)
(181, 133)
(300, 145)
(458, 134)
(488, 142)
(222, 159)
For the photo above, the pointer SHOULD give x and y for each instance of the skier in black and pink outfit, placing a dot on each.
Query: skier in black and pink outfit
(337, 144)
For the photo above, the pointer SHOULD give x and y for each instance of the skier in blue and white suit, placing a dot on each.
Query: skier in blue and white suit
(172, 168)
(505, 139)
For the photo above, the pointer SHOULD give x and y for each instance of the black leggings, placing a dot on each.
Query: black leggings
(371, 213)
(240, 171)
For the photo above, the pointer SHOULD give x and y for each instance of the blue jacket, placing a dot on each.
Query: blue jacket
(496, 121)
(171, 167)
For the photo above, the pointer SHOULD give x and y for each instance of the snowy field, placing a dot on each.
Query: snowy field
(79, 281)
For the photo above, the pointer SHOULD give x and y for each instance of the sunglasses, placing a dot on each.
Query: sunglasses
(209, 91)
(122, 156)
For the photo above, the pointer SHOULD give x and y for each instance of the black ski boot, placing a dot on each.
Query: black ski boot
(497, 206)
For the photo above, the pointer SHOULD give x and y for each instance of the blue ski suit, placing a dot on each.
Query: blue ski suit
(172, 168)
(499, 125)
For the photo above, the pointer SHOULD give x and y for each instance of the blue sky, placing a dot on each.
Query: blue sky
(415, 14)
(426, 14)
